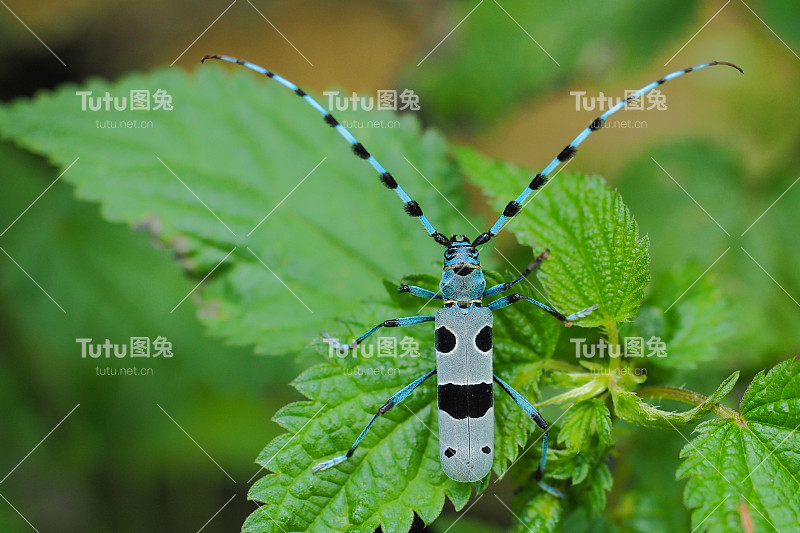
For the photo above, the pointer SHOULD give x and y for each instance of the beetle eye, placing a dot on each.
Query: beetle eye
(449, 253)
(473, 252)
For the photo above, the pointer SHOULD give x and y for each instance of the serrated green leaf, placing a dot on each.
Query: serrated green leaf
(242, 144)
(586, 424)
(630, 407)
(596, 254)
(396, 470)
(394, 473)
(747, 468)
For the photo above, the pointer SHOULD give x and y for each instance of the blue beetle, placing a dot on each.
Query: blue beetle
(463, 326)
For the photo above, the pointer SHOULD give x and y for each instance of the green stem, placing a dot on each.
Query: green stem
(613, 340)
(685, 396)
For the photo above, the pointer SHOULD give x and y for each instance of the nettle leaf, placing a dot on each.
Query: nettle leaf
(747, 468)
(396, 471)
(586, 424)
(596, 253)
(630, 407)
(242, 144)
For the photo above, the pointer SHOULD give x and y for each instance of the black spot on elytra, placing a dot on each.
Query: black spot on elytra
(462, 401)
(449, 452)
(486, 450)
(483, 340)
(444, 340)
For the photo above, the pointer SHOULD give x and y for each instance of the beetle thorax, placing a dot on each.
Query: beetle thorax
(462, 278)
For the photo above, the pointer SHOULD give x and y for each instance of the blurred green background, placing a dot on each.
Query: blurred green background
(501, 82)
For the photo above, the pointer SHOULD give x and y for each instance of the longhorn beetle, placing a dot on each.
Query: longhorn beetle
(463, 327)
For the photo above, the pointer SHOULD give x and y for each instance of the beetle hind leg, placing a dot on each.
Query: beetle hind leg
(534, 415)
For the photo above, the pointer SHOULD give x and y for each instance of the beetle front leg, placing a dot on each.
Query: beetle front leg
(419, 292)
